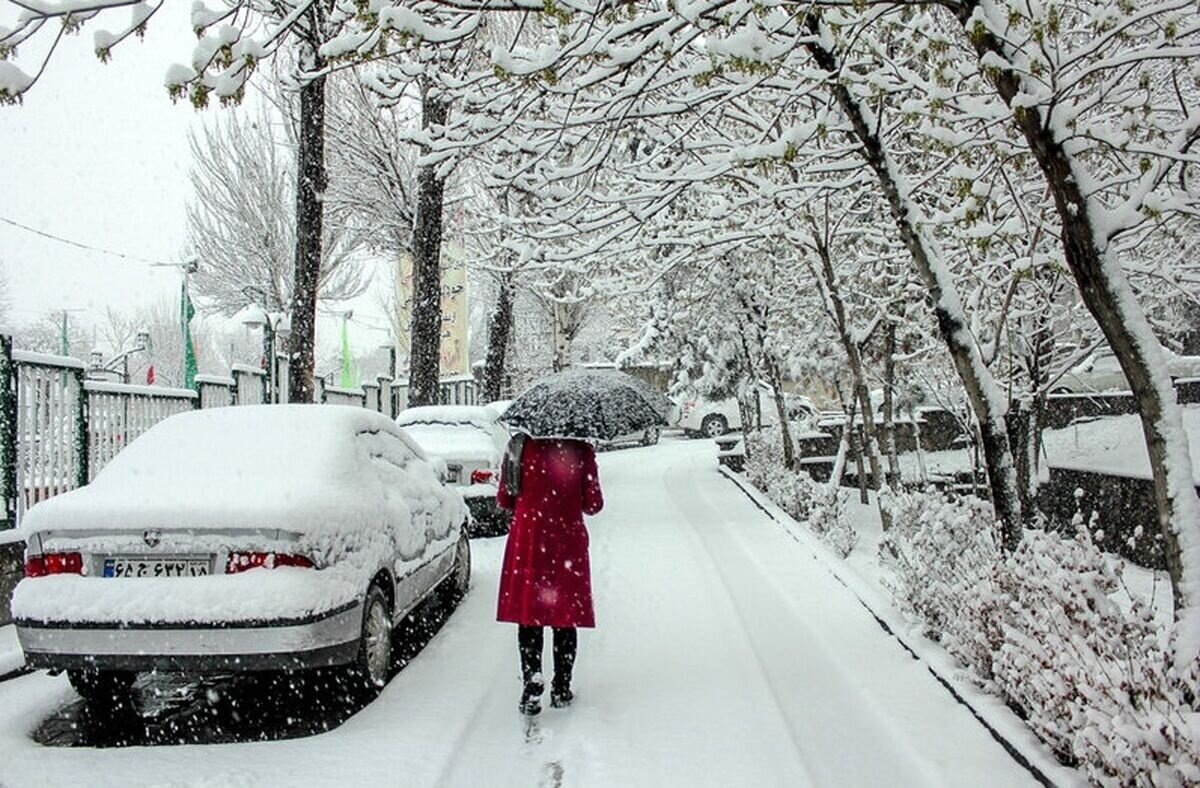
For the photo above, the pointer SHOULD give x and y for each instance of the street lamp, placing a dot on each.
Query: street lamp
(273, 325)
(98, 365)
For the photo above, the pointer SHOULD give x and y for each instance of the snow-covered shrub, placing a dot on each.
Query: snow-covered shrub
(1093, 679)
(944, 557)
(1043, 628)
(805, 500)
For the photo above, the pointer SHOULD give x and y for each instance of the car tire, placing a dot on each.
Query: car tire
(651, 436)
(103, 687)
(459, 581)
(714, 425)
(371, 668)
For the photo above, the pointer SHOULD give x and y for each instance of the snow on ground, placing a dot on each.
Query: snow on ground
(11, 657)
(726, 654)
(1115, 445)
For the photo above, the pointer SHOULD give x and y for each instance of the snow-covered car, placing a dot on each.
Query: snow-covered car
(712, 418)
(1102, 372)
(470, 440)
(254, 538)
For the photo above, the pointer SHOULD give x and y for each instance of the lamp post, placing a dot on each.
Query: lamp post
(188, 267)
(273, 326)
(98, 365)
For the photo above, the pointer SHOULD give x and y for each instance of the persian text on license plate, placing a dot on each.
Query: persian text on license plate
(157, 567)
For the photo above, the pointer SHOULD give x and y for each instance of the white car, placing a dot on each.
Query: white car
(250, 538)
(1101, 372)
(713, 418)
(470, 440)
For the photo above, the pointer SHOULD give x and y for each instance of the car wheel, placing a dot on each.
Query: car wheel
(459, 581)
(650, 437)
(369, 671)
(714, 425)
(103, 687)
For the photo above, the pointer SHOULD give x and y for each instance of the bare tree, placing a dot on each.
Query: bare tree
(241, 222)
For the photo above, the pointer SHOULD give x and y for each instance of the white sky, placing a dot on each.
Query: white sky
(99, 154)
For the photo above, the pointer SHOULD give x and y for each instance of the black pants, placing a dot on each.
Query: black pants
(530, 641)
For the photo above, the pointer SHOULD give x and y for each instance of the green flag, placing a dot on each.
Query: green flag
(186, 313)
(349, 379)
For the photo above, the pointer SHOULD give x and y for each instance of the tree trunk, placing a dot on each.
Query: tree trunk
(984, 395)
(499, 331)
(839, 462)
(426, 333)
(1108, 296)
(776, 381)
(889, 404)
(861, 394)
(311, 180)
(856, 448)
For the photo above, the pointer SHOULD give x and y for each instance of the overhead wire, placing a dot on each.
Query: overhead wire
(81, 245)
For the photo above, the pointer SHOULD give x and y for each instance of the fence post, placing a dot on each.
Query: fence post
(283, 378)
(82, 448)
(8, 430)
(386, 403)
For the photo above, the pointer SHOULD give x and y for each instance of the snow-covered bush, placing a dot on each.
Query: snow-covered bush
(944, 555)
(1093, 679)
(1045, 630)
(818, 505)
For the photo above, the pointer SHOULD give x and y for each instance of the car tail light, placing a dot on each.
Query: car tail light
(245, 561)
(54, 564)
(482, 476)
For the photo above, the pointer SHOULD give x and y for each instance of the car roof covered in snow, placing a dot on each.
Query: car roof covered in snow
(481, 415)
(456, 432)
(274, 466)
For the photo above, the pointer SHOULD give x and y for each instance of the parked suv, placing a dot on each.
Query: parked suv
(712, 418)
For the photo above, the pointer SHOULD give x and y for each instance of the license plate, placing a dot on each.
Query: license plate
(157, 567)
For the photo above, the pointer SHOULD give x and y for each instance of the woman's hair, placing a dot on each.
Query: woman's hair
(512, 464)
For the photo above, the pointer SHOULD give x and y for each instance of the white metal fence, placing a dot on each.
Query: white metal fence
(58, 429)
(47, 394)
(117, 413)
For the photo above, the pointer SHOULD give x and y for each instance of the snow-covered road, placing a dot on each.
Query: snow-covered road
(725, 655)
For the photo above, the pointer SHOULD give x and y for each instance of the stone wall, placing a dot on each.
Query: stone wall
(1124, 505)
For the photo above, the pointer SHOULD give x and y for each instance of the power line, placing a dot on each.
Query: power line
(80, 245)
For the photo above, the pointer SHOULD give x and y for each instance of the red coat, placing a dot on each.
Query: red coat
(546, 580)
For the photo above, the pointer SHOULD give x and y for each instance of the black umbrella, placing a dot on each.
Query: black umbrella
(599, 404)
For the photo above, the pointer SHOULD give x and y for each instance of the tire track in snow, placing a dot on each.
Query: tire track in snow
(1012, 749)
(755, 590)
(704, 553)
(690, 498)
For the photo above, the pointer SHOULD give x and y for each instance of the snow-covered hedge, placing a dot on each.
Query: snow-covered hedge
(1046, 629)
(944, 555)
(818, 505)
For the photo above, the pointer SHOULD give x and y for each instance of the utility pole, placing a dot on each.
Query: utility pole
(64, 331)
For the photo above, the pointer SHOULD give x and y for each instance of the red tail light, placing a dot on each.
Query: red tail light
(245, 561)
(54, 564)
(482, 476)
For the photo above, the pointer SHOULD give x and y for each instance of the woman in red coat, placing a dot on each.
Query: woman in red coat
(546, 580)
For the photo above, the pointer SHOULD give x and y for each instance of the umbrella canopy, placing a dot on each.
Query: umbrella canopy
(598, 404)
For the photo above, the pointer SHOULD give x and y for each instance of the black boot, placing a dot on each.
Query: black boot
(565, 643)
(531, 696)
(560, 694)
(529, 643)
